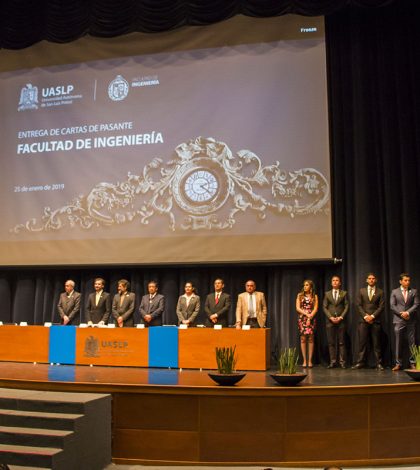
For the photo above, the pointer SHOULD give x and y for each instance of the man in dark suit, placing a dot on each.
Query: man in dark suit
(152, 306)
(336, 306)
(370, 304)
(69, 305)
(98, 308)
(217, 305)
(123, 305)
(404, 303)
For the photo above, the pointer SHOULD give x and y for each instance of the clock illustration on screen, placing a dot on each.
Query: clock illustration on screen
(200, 186)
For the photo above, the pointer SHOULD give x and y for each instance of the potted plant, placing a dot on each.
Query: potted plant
(287, 368)
(415, 373)
(226, 360)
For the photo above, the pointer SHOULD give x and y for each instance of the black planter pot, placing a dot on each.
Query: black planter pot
(227, 379)
(288, 379)
(413, 373)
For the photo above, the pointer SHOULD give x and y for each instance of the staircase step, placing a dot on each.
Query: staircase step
(34, 436)
(39, 419)
(63, 431)
(19, 467)
(52, 402)
(46, 457)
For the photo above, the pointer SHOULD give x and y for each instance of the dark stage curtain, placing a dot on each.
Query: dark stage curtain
(25, 22)
(374, 77)
(32, 295)
(374, 96)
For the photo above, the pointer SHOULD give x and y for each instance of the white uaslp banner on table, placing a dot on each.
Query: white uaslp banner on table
(214, 154)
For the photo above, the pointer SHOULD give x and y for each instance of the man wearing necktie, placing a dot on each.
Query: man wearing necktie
(217, 305)
(69, 305)
(251, 308)
(404, 304)
(98, 308)
(152, 306)
(123, 305)
(370, 304)
(336, 306)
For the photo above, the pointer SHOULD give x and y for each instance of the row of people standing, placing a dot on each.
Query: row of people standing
(370, 302)
(251, 306)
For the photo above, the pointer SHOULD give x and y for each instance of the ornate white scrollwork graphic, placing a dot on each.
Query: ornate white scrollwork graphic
(204, 185)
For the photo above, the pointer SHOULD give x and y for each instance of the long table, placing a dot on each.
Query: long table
(192, 348)
(197, 347)
(24, 343)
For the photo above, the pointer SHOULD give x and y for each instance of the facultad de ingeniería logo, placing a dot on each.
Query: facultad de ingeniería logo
(118, 88)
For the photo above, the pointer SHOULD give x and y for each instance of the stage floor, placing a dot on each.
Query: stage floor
(15, 374)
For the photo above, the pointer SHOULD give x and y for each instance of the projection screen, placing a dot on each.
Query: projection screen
(209, 152)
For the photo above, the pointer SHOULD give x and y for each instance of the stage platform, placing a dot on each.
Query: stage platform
(174, 416)
(100, 378)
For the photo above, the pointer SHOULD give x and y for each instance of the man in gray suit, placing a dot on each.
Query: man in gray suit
(69, 305)
(98, 307)
(404, 304)
(336, 306)
(217, 305)
(152, 306)
(370, 304)
(123, 305)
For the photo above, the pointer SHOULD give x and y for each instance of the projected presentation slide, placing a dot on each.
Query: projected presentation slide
(210, 155)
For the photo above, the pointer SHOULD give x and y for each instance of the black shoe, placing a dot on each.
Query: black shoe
(359, 365)
(380, 367)
(331, 365)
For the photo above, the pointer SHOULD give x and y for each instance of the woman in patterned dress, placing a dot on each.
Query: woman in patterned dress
(307, 307)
